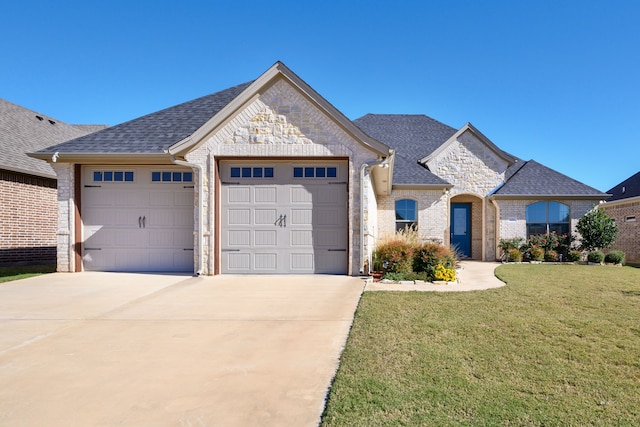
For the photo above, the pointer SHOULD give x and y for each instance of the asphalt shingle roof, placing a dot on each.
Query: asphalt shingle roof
(24, 131)
(412, 136)
(532, 178)
(155, 132)
(630, 187)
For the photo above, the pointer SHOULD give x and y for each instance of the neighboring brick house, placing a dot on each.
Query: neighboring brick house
(624, 208)
(269, 177)
(28, 206)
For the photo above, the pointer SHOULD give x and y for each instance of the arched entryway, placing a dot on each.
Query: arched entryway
(465, 225)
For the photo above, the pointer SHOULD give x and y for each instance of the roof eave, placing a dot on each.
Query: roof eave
(105, 158)
(422, 186)
(550, 196)
(278, 70)
(634, 199)
(28, 172)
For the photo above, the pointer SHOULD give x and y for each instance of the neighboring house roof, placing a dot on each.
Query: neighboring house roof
(155, 132)
(23, 131)
(413, 137)
(628, 188)
(533, 179)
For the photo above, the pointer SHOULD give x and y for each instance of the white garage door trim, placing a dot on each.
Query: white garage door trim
(137, 218)
(280, 217)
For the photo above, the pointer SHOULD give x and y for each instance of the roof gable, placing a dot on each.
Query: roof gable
(277, 72)
(412, 136)
(469, 128)
(23, 131)
(533, 179)
(628, 188)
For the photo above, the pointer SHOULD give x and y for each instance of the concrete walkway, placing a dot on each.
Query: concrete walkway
(114, 349)
(474, 276)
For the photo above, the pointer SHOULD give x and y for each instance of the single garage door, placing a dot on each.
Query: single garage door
(282, 218)
(137, 218)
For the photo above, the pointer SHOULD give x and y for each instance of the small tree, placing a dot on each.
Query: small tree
(598, 230)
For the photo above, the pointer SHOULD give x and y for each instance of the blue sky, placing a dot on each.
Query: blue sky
(555, 81)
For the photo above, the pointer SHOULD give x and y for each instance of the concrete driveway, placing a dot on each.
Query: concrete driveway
(116, 349)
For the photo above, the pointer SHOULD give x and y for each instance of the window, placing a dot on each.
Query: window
(171, 176)
(251, 172)
(315, 172)
(406, 214)
(113, 176)
(547, 217)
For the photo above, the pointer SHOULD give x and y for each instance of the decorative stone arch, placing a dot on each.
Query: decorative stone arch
(477, 219)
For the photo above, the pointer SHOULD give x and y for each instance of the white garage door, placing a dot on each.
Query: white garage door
(284, 217)
(137, 218)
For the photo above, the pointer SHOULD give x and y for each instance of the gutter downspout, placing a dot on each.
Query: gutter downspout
(367, 166)
(498, 231)
(200, 209)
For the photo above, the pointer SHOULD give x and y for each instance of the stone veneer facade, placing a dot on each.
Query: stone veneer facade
(281, 123)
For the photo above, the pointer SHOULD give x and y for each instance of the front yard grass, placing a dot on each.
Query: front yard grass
(8, 274)
(558, 346)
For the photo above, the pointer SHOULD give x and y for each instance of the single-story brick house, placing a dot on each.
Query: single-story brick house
(624, 208)
(28, 197)
(269, 177)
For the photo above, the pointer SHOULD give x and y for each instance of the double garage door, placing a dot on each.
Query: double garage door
(283, 217)
(137, 218)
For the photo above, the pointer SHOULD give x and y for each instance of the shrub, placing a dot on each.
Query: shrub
(514, 255)
(551, 256)
(598, 230)
(595, 257)
(429, 256)
(506, 244)
(547, 242)
(614, 257)
(574, 256)
(395, 256)
(536, 253)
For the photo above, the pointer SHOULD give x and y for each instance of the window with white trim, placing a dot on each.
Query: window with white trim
(406, 214)
(113, 176)
(171, 176)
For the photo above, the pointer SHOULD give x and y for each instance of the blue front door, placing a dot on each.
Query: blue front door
(461, 228)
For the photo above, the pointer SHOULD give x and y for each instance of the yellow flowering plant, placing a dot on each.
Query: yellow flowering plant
(444, 273)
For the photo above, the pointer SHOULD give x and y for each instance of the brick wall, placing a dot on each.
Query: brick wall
(28, 219)
(627, 217)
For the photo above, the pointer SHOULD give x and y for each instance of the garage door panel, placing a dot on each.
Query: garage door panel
(266, 261)
(329, 217)
(265, 238)
(300, 195)
(127, 198)
(301, 238)
(238, 262)
(265, 195)
(329, 239)
(302, 261)
(265, 216)
(301, 217)
(239, 194)
(239, 217)
(239, 238)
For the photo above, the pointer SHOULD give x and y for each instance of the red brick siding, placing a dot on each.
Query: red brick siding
(628, 239)
(28, 219)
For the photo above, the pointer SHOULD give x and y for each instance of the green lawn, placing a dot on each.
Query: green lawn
(8, 274)
(558, 346)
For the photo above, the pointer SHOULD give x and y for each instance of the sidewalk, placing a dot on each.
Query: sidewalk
(473, 276)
